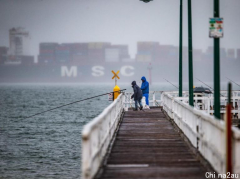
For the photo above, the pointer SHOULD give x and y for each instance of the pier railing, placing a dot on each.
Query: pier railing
(204, 131)
(97, 135)
(206, 102)
(154, 99)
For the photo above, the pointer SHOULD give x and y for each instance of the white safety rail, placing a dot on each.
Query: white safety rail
(206, 102)
(154, 99)
(97, 135)
(204, 131)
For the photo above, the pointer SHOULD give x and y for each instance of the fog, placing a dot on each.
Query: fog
(123, 22)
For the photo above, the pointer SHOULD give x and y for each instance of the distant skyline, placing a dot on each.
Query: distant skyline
(116, 21)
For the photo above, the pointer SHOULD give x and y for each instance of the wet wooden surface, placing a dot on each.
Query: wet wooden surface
(148, 146)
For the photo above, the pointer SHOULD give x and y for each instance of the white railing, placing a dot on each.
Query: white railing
(205, 132)
(97, 135)
(154, 99)
(206, 102)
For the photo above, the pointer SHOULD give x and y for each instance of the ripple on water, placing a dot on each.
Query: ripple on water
(48, 145)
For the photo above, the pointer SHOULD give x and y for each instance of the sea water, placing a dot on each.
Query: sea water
(48, 145)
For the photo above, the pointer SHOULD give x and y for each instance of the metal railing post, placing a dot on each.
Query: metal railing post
(154, 103)
(229, 132)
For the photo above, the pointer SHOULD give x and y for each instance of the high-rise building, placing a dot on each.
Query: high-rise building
(19, 42)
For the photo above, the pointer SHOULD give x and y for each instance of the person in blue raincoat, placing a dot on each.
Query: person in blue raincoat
(145, 90)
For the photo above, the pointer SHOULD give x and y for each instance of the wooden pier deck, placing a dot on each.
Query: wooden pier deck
(148, 146)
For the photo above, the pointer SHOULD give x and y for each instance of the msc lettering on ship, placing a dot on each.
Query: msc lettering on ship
(97, 71)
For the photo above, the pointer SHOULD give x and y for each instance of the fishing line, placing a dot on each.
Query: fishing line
(208, 86)
(205, 84)
(72, 103)
(171, 83)
(233, 82)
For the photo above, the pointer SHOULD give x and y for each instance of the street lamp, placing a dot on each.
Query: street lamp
(190, 63)
(180, 52)
(216, 67)
(190, 55)
(146, 1)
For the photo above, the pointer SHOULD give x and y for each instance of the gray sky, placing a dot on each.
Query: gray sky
(116, 21)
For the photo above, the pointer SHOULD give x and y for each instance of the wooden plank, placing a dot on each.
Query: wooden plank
(148, 146)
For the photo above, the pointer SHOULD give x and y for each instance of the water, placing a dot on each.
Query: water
(48, 145)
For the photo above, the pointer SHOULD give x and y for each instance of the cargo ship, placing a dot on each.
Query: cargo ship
(93, 63)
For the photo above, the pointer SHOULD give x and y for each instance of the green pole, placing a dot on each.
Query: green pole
(190, 57)
(216, 68)
(180, 51)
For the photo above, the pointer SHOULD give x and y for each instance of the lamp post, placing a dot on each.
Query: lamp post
(216, 67)
(180, 52)
(190, 62)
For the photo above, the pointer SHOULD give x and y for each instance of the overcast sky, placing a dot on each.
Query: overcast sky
(116, 21)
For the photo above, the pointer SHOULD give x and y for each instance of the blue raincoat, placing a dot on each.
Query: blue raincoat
(145, 89)
(145, 86)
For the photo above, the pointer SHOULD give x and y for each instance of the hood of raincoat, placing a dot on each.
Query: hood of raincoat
(143, 78)
(134, 83)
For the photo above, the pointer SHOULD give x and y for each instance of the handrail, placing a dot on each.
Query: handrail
(204, 131)
(152, 99)
(97, 135)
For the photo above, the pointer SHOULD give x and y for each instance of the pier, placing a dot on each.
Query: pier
(171, 140)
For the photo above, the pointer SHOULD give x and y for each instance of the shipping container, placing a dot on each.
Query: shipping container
(238, 54)
(3, 54)
(79, 48)
(144, 58)
(26, 60)
(47, 46)
(223, 53)
(197, 55)
(3, 51)
(46, 59)
(147, 46)
(96, 55)
(98, 45)
(231, 54)
(79, 60)
(112, 54)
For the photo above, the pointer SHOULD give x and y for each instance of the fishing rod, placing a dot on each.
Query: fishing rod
(205, 84)
(171, 83)
(233, 82)
(72, 103)
(209, 86)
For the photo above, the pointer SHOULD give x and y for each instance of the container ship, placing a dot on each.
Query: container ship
(93, 63)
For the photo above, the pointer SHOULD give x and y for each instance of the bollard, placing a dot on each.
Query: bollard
(228, 123)
(115, 94)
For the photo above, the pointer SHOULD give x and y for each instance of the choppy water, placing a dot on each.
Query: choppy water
(48, 145)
